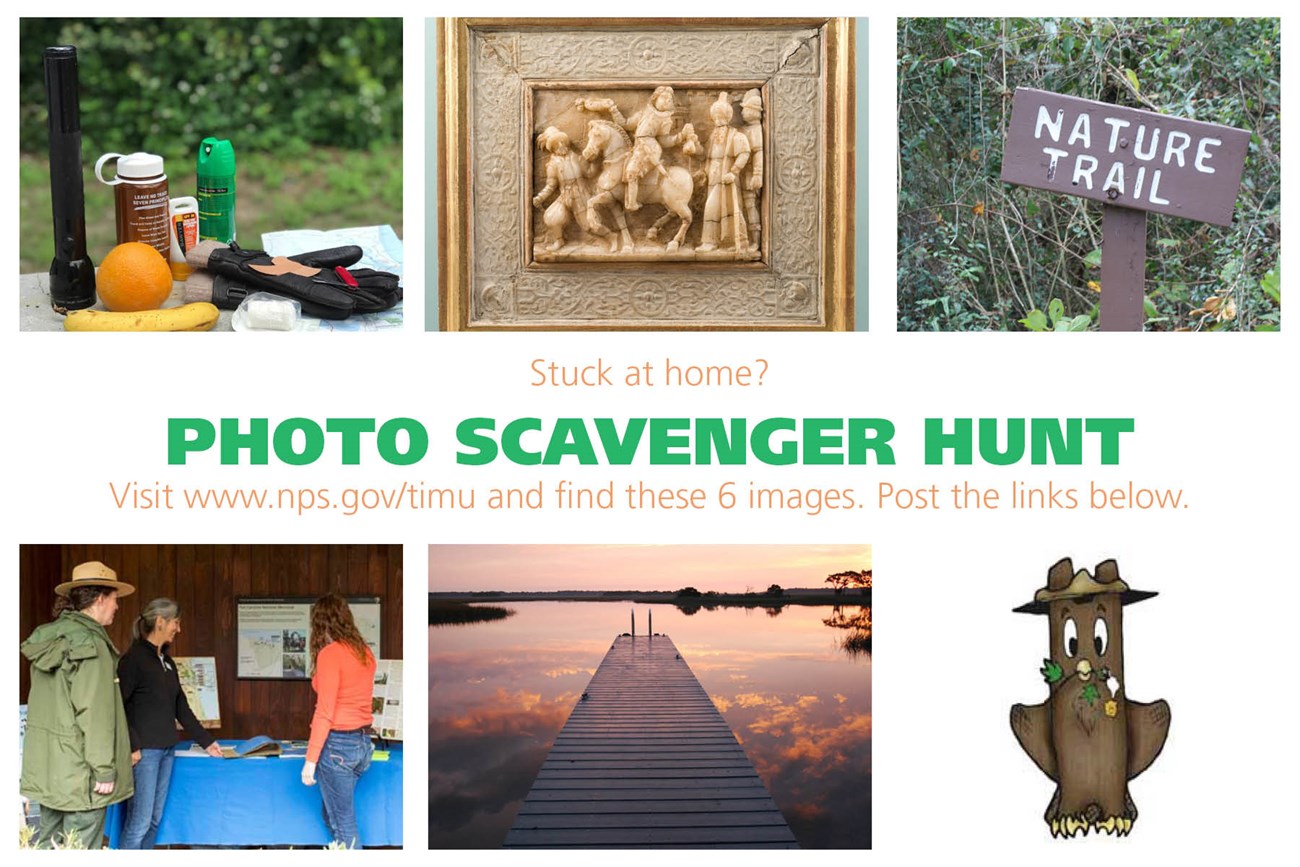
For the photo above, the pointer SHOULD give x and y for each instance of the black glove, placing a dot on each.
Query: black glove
(318, 280)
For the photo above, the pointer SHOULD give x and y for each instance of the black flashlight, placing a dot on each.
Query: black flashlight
(72, 275)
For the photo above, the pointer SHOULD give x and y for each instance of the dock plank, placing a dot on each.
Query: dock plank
(654, 805)
(660, 821)
(647, 838)
(645, 760)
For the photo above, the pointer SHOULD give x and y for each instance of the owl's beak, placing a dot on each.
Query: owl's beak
(1084, 669)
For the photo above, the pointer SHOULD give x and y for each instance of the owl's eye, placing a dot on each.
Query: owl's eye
(1071, 637)
(1100, 636)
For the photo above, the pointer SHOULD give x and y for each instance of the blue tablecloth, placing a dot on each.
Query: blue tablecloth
(262, 802)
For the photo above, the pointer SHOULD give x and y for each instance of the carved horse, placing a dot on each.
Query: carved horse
(610, 144)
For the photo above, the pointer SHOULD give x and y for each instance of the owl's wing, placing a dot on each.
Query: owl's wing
(1032, 724)
(1148, 726)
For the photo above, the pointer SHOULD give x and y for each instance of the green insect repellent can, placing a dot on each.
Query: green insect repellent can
(216, 173)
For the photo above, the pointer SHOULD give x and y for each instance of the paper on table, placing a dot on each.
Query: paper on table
(381, 249)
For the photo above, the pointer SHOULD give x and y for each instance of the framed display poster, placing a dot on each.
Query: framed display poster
(275, 634)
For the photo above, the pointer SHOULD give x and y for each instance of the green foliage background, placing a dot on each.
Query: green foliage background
(312, 105)
(165, 84)
(975, 253)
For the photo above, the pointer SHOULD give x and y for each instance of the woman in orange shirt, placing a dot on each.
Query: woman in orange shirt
(339, 749)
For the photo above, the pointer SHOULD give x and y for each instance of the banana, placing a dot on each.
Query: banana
(197, 316)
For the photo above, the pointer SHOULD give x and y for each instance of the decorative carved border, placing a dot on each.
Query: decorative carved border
(486, 277)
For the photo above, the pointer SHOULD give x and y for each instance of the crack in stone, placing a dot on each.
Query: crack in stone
(799, 41)
(501, 48)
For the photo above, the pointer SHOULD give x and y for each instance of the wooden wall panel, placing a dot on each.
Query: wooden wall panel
(205, 580)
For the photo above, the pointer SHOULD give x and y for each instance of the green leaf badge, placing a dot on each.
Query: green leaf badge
(1090, 694)
(1050, 671)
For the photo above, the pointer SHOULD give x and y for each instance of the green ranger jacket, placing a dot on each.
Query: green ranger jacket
(76, 726)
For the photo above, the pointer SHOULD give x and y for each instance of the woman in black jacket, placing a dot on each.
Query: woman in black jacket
(151, 693)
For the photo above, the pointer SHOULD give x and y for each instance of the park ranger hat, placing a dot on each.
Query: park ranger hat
(94, 574)
(1064, 583)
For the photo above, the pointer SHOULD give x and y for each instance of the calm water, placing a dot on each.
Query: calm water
(798, 701)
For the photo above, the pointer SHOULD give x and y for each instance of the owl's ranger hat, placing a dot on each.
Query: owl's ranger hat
(1064, 583)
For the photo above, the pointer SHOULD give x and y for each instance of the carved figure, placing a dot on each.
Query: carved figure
(1089, 736)
(751, 111)
(728, 153)
(566, 176)
(609, 144)
(652, 128)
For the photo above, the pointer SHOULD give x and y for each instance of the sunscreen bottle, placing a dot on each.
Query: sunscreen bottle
(184, 232)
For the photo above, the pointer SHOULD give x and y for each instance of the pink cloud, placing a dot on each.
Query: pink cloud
(725, 568)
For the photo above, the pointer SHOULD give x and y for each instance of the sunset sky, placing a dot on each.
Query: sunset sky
(725, 568)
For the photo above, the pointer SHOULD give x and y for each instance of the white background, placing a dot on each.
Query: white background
(1215, 415)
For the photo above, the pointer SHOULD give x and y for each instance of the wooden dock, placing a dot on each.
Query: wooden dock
(646, 761)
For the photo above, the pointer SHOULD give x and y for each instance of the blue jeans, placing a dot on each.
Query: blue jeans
(153, 775)
(343, 760)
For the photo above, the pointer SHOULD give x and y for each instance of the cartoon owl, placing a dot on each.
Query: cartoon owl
(1089, 736)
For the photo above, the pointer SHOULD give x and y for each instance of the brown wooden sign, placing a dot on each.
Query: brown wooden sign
(1123, 156)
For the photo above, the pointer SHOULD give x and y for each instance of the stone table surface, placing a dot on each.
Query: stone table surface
(35, 313)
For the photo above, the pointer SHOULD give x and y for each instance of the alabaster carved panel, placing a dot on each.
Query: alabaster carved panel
(646, 175)
(662, 174)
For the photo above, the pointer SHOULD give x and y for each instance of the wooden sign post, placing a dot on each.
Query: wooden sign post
(1132, 162)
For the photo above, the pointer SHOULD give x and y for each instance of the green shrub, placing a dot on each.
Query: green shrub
(162, 85)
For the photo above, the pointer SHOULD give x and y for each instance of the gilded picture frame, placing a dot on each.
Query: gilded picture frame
(506, 89)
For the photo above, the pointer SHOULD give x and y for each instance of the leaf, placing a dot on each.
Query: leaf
(1036, 320)
(1055, 310)
(1050, 671)
(1090, 694)
(1080, 322)
(1149, 308)
(1132, 79)
(1093, 258)
(1168, 242)
(1272, 283)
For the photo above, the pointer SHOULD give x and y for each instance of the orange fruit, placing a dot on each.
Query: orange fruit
(133, 276)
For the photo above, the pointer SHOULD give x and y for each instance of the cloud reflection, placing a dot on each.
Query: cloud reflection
(814, 754)
(799, 705)
(496, 702)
